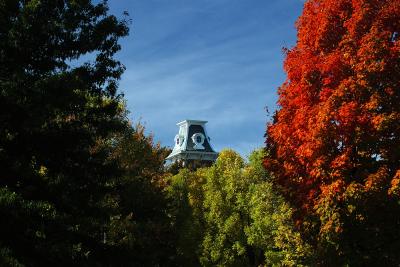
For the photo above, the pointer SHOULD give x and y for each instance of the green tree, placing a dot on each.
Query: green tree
(272, 231)
(140, 228)
(230, 214)
(56, 115)
(224, 243)
(186, 196)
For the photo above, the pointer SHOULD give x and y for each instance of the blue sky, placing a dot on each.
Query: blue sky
(214, 60)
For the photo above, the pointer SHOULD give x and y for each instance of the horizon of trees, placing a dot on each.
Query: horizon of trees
(82, 186)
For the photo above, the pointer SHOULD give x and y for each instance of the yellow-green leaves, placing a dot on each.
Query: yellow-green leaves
(239, 217)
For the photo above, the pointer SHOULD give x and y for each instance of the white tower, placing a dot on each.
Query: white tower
(192, 143)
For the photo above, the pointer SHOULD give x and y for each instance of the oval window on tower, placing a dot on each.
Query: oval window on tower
(198, 140)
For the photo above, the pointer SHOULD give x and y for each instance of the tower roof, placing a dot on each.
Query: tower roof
(192, 142)
(191, 122)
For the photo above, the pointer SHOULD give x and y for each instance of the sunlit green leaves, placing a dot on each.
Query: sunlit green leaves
(239, 217)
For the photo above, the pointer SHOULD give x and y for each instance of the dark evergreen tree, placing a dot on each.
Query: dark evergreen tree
(57, 120)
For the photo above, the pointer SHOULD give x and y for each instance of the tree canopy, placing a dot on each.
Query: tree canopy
(230, 214)
(81, 186)
(334, 142)
(64, 184)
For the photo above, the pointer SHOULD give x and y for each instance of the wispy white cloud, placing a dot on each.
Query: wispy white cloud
(215, 60)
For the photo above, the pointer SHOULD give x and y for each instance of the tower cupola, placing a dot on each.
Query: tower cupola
(192, 143)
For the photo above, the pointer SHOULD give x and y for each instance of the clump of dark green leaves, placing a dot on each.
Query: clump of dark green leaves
(69, 194)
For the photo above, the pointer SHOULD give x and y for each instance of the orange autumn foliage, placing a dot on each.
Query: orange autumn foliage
(338, 121)
(334, 144)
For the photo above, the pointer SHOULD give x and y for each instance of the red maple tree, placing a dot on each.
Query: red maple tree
(335, 139)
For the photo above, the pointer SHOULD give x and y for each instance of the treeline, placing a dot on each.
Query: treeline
(81, 186)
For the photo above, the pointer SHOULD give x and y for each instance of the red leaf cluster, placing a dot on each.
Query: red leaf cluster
(338, 121)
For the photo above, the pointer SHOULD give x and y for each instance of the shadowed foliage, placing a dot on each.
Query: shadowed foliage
(78, 184)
